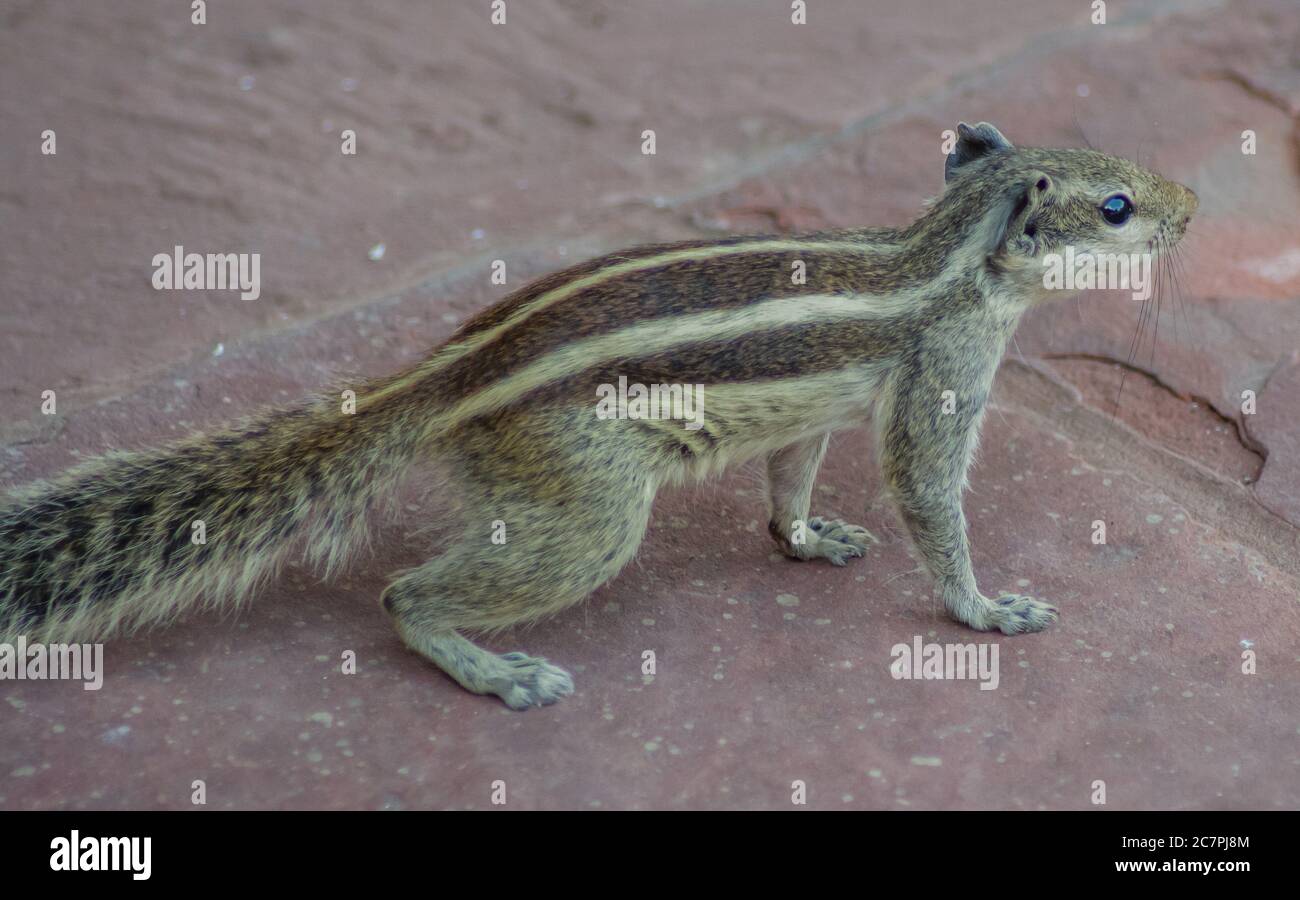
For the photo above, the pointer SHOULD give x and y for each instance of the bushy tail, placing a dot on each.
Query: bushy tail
(135, 539)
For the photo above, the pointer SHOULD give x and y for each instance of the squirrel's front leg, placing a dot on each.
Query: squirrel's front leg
(791, 472)
(926, 442)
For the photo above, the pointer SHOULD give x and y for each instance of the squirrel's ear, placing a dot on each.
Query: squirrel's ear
(972, 143)
(1020, 231)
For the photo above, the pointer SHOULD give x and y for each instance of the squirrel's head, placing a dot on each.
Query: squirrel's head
(1037, 203)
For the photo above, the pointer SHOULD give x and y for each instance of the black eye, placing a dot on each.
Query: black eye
(1117, 209)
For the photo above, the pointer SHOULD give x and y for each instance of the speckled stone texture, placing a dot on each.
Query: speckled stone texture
(522, 142)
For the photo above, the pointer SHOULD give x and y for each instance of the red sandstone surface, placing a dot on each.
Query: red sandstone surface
(522, 142)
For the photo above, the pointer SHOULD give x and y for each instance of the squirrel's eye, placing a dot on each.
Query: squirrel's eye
(1116, 210)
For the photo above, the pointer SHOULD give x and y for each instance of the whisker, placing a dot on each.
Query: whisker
(1157, 290)
(1181, 272)
(1132, 351)
(1175, 275)
(1083, 134)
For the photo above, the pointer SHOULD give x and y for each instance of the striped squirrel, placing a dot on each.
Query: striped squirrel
(884, 323)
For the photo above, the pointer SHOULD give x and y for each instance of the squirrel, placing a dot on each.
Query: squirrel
(901, 327)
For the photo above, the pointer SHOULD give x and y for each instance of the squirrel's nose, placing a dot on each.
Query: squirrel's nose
(1190, 200)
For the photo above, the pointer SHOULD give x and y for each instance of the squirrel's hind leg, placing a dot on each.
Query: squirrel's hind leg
(540, 533)
(520, 680)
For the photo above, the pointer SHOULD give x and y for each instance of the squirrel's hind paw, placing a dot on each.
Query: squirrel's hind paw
(530, 681)
(838, 541)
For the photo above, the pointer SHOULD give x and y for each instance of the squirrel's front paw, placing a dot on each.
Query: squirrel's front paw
(1018, 614)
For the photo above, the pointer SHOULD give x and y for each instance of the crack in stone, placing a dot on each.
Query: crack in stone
(1264, 95)
(1281, 364)
(1233, 507)
(1247, 441)
(1243, 81)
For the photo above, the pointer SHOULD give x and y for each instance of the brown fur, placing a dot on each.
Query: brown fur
(886, 322)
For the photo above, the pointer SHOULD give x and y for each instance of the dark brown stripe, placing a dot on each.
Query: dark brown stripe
(661, 293)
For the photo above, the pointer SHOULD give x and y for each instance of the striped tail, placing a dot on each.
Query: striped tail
(135, 539)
